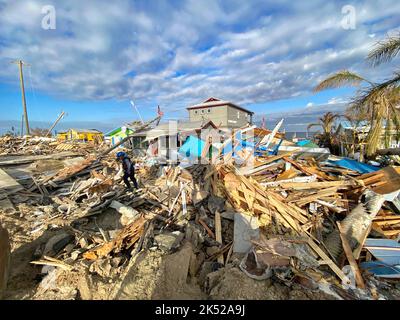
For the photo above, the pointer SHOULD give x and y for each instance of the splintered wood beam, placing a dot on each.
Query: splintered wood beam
(357, 251)
(218, 234)
(298, 166)
(184, 208)
(328, 261)
(349, 254)
(275, 158)
(206, 147)
(210, 233)
(317, 185)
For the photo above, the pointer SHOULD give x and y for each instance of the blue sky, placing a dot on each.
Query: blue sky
(264, 55)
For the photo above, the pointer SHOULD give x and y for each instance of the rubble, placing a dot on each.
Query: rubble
(4, 259)
(287, 225)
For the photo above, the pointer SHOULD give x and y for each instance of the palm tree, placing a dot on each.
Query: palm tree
(385, 50)
(378, 100)
(327, 122)
(355, 141)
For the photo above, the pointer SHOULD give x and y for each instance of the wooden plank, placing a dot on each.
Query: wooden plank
(176, 199)
(366, 176)
(386, 222)
(49, 261)
(328, 261)
(287, 212)
(210, 233)
(184, 208)
(372, 179)
(349, 254)
(226, 142)
(390, 181)
(298, 166)
(275, 158)
(315, 196)
(331, 206)
(206, 148)
(390, 233)
(229, 255)
(218, 234)
(387, 218)
(317, 185)
(320, 174)
(288, 174)
(249, 196)
(17, 160)
(377, 228)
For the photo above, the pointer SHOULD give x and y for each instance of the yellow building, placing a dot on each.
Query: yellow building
(62, 136)
(83, 135)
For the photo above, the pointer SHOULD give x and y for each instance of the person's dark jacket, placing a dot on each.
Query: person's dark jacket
(127, 165)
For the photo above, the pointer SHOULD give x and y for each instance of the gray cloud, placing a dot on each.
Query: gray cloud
(176, 53)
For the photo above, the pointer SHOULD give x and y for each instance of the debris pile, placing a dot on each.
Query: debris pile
(10, 145)
(293, 226)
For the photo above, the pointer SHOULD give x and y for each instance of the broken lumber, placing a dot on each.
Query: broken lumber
(218, 234)
(350, 257)
(328, 261)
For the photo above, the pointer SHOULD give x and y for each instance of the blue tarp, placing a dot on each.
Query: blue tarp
(385, 250)
(307, 144)
(259, 151)
(243, 144)
(381, 269)
(303, 142)
(387, 253)
(192, 147)
(354, 165)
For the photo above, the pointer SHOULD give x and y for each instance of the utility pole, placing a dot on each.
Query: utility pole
(21, 78)
(55, 123)
(22, 125)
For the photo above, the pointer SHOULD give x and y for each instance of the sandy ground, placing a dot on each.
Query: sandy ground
(151, 274)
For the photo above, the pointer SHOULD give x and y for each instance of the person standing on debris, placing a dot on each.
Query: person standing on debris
(129, 169)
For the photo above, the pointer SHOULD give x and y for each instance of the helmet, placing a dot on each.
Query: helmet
(121, 154)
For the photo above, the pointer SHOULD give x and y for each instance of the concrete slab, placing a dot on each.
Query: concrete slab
(6, 205)
(8, 185)
(245, 229)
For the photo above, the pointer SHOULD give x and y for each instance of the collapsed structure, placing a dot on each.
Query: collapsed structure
(251, 211)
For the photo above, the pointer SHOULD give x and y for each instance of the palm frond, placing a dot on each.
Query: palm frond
(340, 79)
(370, 95)
(385, 50)
(312, 125)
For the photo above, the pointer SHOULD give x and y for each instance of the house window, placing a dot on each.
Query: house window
(195, 111)
(209, 110)
(238, 114)
(202, 111)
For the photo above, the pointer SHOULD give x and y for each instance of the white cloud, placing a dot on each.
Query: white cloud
(176, 55)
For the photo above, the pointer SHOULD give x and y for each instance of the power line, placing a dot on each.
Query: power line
(33, 90)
